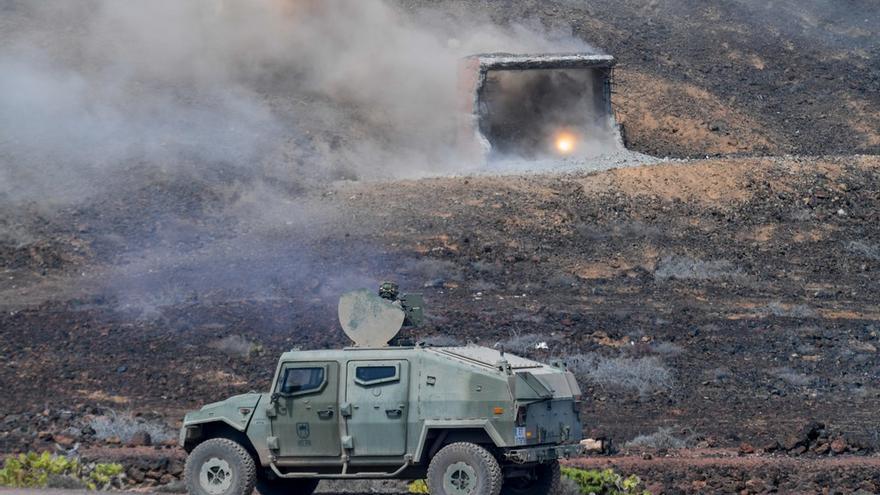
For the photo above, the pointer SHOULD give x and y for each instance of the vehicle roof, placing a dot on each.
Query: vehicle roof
(473, 354)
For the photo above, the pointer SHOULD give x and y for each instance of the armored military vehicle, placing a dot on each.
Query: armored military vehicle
(470, 420)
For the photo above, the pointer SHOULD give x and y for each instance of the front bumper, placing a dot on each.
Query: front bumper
(543, 453)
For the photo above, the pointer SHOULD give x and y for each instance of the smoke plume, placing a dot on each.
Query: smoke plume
(182, 138)
(94, 92)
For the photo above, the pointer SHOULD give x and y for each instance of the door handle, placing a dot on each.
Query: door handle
(325, 414)
(394, 413)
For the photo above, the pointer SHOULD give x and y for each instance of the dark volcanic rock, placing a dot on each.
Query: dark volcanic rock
(141, 439)
(838, 446)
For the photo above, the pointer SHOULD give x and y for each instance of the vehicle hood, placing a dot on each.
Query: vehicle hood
(236, 411)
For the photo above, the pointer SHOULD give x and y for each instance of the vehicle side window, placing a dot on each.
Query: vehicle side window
(299, 380)
(371, 375)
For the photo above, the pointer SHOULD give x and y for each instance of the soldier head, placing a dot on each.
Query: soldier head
(389, 290)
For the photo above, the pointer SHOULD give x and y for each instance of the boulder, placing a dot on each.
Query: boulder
(65, 441)
(773, 446)
(793, 442)
(177, 487)
(755, 485)
(592, 445)
(135, 474)
(175, 468)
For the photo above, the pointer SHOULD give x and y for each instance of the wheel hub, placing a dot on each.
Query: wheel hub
(460, 479)
(215, 477)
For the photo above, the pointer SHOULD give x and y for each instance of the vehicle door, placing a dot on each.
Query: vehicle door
(305, 422)
(376, 395)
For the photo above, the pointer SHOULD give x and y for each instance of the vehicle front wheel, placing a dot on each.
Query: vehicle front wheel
(464, 469)
(220, 466)
(545, 479)
(282, 486)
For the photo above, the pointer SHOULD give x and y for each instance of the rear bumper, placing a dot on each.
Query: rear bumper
(543, 453)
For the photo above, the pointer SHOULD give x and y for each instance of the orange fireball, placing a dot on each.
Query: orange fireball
(565, 143)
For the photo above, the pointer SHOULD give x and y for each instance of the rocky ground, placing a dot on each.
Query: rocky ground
(703, 304)
(720, 313)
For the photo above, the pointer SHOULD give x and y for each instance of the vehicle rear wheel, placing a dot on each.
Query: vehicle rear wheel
(220, 466)
(464, 469)
(544, 480)
(282, 486)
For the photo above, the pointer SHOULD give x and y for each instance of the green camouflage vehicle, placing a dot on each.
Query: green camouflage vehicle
(470, 420)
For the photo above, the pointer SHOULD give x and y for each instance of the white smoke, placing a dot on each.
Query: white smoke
(91, 90)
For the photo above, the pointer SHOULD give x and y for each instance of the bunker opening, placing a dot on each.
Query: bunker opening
(544, 106)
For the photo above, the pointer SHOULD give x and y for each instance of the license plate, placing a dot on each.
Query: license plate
(519, 435)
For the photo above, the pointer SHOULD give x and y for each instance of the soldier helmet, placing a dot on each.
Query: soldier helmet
(389, 290)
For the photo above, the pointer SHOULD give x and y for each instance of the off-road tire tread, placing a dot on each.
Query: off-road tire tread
(493, 468)
(248, 476)
(555, 484)
(555, 479)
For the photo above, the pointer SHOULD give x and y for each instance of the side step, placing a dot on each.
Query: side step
(343, 475)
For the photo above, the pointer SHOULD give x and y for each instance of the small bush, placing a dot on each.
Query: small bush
(644, 375)
(418, 486)
(718, 375)
(685, 268)
(789, 311)
(103, 474)
(34, 470)
(871, 251)
(568, 486)
(666, 349)
(124, 426)
(577, 481)
(791, 377)
(603, 482)
(663, 438)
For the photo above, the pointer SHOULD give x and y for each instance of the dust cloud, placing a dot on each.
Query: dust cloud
(189, 141)
(95, 94)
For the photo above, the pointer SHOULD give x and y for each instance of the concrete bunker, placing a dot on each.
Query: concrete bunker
(537, 106)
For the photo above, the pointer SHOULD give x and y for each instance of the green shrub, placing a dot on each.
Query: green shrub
(604, 482)
(588, 481)
(418, 486)
(33, 470)
(103, 474)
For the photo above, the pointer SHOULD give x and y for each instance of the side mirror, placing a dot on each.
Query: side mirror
(272, 406)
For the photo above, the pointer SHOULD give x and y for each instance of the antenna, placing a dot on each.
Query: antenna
(369, 320)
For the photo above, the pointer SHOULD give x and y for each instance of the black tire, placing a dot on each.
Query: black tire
(545, 480)
(467, 463)
(233, 468)
(266, 486)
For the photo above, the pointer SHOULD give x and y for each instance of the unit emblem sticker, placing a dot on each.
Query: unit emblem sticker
(302, 430)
